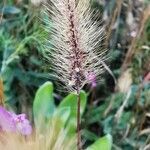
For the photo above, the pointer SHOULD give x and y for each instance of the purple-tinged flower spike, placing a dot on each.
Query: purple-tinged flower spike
(75, 42)
(10, 122)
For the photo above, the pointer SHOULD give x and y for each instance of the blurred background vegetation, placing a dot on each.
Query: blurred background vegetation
(120, 104)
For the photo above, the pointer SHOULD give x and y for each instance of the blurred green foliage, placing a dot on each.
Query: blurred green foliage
(23, 70)
(21, 45)
(141, 60)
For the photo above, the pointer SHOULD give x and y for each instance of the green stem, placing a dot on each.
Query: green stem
(78, 122)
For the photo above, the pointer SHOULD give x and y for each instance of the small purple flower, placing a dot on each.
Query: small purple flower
(91, 77)
(22, 124)
(11, 122)
(6, 121)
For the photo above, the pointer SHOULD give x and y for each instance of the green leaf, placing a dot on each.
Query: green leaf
(63, 115)
(104, 143)
(43, 105)
(71, 102)
(10, 10)
(89, 135)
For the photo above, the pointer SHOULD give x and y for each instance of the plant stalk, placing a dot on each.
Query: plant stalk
(78, 123)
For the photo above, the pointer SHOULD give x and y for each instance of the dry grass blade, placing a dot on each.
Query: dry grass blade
(1, 93)
(132, 48)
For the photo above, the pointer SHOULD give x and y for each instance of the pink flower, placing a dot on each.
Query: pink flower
(11, 122)
(91, 77)
(6, 121)
(22, 124)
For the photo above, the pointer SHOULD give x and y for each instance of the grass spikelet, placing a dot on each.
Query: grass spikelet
(75, 41)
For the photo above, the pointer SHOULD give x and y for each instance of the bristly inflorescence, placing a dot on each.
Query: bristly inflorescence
(75, 39)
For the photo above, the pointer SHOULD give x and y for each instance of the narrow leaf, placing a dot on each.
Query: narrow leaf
(71, 101)
(104, 143)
